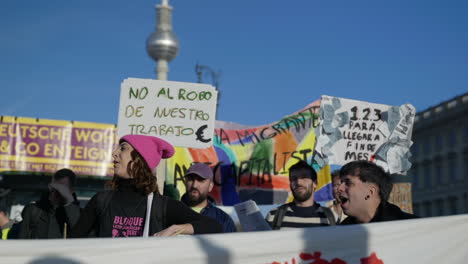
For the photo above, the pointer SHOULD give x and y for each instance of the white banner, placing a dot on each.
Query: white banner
(181, 113)
(427, 240)
(352, 130)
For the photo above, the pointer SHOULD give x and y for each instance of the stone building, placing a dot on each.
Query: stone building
(439, 174)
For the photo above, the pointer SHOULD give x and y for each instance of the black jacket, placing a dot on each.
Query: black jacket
(123, 215)
(42, 220)
(385, 212)
(214, 212)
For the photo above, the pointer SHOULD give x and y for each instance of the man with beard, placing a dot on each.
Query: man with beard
(364, 191)
(303, 211)
(198, 183)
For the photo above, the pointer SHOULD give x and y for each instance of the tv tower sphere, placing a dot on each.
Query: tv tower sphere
(163, 44)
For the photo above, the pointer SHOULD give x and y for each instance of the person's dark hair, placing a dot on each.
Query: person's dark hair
(372, 173)
(304, 165)
(4, 207)
(65, 173)
(335, 173)
(141, 174)
(5, 199)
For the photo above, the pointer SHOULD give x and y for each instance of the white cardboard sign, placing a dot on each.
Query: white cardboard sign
(250, 217)
(181, 113)
(352, 130)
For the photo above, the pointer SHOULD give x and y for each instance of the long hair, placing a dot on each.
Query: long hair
(141, 174)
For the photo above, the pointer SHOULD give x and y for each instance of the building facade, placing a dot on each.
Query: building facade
(439, 174)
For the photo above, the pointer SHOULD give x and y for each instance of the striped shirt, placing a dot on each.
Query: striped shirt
(300, 217)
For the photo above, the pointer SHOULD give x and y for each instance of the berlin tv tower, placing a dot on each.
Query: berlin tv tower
(162, 45)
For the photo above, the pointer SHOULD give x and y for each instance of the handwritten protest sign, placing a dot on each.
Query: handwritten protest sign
(181, 113)
(352, 130)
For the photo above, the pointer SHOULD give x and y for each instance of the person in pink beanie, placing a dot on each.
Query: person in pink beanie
(134, 206)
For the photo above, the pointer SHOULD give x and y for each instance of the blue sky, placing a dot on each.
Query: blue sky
(66, 59)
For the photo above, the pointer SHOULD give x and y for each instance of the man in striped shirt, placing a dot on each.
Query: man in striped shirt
(303, 211)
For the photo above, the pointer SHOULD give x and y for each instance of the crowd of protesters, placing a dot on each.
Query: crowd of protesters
(134, 207)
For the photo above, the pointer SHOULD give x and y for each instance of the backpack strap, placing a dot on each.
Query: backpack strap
(279, 215)
(329, 214)
(149, 209)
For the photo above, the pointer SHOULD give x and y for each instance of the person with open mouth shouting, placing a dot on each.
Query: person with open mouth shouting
(364, 192)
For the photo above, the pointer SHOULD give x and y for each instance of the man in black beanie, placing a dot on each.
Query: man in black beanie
(55, 212)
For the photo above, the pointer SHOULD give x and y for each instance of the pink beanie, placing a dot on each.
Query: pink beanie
(152, 149)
